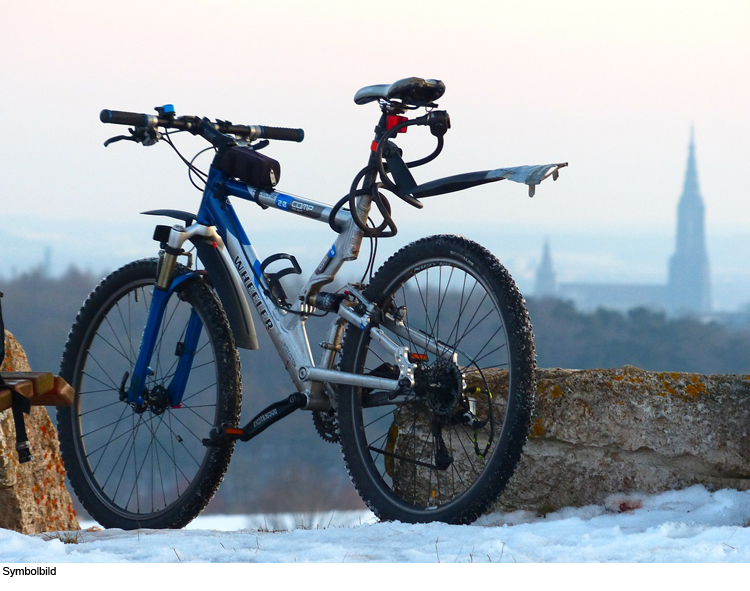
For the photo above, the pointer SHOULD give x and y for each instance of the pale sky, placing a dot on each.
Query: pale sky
(611, 87)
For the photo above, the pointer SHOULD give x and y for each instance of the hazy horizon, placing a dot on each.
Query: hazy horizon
(612, 88)
(605, 256)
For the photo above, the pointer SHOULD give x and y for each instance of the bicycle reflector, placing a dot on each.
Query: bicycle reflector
(394, 120)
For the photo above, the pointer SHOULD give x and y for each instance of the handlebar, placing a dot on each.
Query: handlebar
(202, 126)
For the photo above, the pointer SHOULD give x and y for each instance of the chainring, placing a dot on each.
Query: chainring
(327, 425)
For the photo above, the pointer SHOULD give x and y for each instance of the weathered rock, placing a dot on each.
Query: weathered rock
(33, 497)
(601, 432)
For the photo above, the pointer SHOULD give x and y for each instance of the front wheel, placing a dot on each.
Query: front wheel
(444, 450)
(146, 467)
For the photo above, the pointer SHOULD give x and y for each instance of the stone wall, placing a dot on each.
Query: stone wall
(601, 432)
(33, 497)
(594, 433)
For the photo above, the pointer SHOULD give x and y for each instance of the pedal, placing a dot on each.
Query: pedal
(222, 436)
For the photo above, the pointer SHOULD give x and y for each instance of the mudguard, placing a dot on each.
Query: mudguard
(229, 291)
(224, 281)
(529, 175)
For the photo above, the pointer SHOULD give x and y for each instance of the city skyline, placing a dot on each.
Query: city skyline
(688, 287)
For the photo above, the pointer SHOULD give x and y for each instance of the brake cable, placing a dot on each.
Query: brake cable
(192, 169)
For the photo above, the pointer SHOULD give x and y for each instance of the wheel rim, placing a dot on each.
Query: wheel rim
(140, 464)
(418, 453)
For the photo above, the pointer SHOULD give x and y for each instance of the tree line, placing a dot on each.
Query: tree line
(648, 339)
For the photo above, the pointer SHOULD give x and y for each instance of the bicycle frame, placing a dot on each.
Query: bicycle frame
(217, 221)
(242, 280)
(434, 404)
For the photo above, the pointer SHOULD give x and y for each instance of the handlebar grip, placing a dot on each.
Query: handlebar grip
(282, 133)
(126, 118)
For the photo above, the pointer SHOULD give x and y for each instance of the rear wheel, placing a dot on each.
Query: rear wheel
(444, 450)
(146, 468)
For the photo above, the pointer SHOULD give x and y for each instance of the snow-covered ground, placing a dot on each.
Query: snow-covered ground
(690, 526)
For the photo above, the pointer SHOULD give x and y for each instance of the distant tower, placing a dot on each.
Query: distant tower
(689, 290)
(545, 276)
(47, 263)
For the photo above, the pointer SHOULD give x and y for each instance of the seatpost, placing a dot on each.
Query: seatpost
(364, 201)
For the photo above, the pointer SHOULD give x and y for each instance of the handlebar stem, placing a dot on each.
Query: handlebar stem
(207, 130)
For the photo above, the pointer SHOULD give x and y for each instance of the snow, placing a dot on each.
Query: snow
(689, 526)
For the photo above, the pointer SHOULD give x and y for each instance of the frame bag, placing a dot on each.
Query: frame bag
(250, 167)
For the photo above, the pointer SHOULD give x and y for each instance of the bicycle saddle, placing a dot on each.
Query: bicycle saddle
(416, 92)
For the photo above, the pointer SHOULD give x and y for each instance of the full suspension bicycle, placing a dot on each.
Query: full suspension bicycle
(425, 376)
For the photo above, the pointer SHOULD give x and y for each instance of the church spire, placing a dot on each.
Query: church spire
(545, 275)
(689, 288)
(691, 189)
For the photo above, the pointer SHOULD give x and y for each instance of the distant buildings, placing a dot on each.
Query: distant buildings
(688, 291)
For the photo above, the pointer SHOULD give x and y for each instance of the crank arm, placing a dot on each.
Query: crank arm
(264, 419)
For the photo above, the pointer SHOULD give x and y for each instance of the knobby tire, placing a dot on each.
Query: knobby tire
(146, 469)
(417, 457)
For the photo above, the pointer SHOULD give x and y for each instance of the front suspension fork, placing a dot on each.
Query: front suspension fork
(185, 350)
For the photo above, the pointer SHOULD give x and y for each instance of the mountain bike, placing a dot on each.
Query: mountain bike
(404, 379)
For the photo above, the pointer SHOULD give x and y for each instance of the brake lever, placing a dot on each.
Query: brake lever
(253, 146)
(141, 135)
(119, 138)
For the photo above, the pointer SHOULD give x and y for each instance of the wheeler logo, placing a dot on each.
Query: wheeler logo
(247, 280)
(424, 266)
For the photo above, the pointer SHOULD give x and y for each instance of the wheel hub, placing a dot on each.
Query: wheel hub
(440, 384)
(158, 400)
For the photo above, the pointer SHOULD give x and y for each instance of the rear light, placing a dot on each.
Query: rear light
(391, 122)
(394, 120)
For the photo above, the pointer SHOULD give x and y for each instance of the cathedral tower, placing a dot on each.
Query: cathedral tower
(688, 291)
(545, 275)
